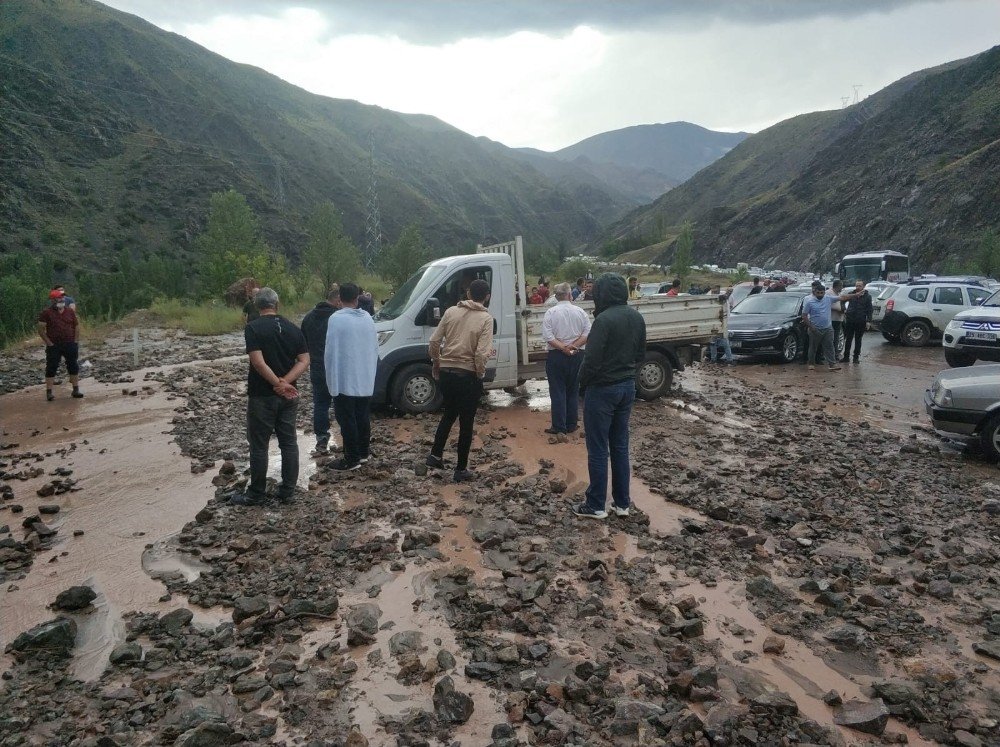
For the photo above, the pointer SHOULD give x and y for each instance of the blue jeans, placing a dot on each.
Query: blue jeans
(563, 373)
(713, 349)
(321, 403)
(266, 415)
(606, 411)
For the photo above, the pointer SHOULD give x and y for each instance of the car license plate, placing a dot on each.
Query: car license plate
(991, 336)
(876, 309)
(735, 344)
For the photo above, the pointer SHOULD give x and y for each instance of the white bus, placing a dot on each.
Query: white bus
(893, 267)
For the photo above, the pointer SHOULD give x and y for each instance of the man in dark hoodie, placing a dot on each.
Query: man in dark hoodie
(314, 326)
(616, 348)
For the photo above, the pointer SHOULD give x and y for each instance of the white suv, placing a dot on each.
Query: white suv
(974, 334)
(917, 312)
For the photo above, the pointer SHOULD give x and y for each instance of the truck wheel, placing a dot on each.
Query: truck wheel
(957, 359)
(989, 437)
(915, 334)
(655, 376)
(414, 390)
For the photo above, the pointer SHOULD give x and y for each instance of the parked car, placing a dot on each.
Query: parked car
(917, 312)
(739, 292)
(974, 334)
(966, 402)
(651, 289)
(769, 324)
(874, 288)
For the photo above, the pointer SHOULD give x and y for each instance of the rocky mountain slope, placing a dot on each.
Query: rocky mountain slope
(912, 168)
(116, 132)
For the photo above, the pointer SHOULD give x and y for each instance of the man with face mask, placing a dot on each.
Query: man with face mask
(60, 331)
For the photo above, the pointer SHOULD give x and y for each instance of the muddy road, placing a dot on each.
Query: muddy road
(805, 563)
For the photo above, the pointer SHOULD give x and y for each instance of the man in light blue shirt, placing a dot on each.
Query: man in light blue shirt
(817, 315)
(350, 359)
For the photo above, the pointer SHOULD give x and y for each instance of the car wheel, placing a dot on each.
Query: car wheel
(655, 376)
(789, 348)
(890, 338)
(989, 437)
(915, 334)
(414, 390)
(958, 359)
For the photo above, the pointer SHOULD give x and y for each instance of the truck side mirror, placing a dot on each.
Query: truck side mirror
(432, 312)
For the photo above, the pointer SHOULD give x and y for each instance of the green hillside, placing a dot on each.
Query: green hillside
(115, 134)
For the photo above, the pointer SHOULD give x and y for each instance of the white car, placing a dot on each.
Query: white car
(974, 334)
(917, 312)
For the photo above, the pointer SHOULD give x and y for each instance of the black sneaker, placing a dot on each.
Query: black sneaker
(857, 360)
(49, 395)
(286, 499)
(342, 465)
(553, 431)
(321, 447)
(572, 429)
(464, 475)
(589, 513)
(77, 393)
(434, 461)
(243, 499)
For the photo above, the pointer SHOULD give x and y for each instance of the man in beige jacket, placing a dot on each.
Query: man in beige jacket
(459, 348)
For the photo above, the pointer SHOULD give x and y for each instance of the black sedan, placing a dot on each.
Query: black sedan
(769, 324)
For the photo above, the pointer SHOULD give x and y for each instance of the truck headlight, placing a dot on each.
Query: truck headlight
(384, 335)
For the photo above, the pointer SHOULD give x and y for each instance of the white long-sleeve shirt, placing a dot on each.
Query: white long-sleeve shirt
(565, 322)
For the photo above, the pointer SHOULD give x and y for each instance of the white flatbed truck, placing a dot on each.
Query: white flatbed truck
(676, 329)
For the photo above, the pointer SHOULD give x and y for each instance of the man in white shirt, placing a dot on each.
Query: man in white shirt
(565, 329)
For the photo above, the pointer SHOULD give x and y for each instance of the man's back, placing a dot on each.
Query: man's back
(617, 342)
(279, 341)
(351, 355)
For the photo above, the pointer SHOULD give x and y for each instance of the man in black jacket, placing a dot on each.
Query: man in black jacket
(616, 348)
(856, 321)
(314, 328)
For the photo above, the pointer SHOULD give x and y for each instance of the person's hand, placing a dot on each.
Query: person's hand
(436, 372)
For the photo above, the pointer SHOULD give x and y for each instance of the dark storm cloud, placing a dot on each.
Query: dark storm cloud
(438, 21)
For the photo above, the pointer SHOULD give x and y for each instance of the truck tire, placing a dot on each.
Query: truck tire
(989, 437)
(414, 390)
(957, 359)
(915, 334)
(655, 377)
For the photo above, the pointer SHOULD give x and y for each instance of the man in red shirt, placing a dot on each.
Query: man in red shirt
(59, 330)
(675, 288)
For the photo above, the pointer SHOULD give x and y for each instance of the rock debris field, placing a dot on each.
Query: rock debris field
(785, 578)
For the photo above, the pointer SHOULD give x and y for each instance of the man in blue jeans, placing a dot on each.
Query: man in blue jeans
(314, 326)
(616, 348)
(278, 356)
(564, 329)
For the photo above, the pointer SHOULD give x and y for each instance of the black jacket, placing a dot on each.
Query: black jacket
(860, 309)
(617, 342)
(314, 328)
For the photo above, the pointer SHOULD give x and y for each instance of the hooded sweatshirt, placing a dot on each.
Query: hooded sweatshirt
(314, 328)
(617, 341)
(463, 338)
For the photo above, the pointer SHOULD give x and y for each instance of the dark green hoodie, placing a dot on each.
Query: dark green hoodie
(617, 342)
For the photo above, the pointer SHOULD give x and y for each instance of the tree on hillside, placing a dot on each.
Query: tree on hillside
(572, 269)
(400, 260)
(681, 266)
(231, 245)
(330, 255)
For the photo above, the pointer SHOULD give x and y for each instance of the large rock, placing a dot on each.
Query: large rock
(723, 718)
(762, 586)
(246, 607)
(631, 714)
(55, 637)
(74, 598)
(450, 705)
(406, 642)
(126, 653)
(988, 648)
(176, 620)
(415, 538)
(868, 718)
(207, 734)
(362, 624)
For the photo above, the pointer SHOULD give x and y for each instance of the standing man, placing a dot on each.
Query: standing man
(250, 311)
(60, 331)
(756, 287)
(616, 348)
(278, 356)
(459, 349)
(314, 326)
(588, 291)
(816, 315)
(578, 289)
(837, 317)
(350, 359)
(722, 341)
(565, 328)
(634, 293)
(857, 319)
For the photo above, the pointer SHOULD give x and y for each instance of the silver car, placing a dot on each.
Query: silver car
(966, 402)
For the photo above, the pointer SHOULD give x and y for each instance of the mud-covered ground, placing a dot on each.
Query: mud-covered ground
(805, 564)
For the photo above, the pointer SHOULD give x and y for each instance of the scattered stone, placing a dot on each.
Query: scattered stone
(868, 718)
(56, 637)
(176, 620)
(74, 598)
(774, 645)
(362, 624)
(246, 607)
(450, 705)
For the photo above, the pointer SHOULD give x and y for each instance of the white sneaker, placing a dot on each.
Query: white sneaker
(619, 511)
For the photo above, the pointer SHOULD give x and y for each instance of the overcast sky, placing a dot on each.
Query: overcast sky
(547, 73)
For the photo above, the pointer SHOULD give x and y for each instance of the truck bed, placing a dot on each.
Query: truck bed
(683, 320)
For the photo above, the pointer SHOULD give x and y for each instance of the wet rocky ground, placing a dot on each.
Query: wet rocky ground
(788, 575)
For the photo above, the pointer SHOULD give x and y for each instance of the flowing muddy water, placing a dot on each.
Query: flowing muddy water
(134, 489)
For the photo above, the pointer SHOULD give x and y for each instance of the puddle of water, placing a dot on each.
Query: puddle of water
(98, 632)
(307, 465)
(163, 558)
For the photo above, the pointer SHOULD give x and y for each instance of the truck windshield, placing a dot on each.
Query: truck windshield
(412, 288)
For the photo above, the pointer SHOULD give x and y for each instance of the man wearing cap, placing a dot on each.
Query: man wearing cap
(60, 331)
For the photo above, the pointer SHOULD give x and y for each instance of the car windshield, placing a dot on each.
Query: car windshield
(887, 291)
(415, 286)
(769, 303)
(993, 301)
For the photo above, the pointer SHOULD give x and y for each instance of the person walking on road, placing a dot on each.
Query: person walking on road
(350, 360)
(314, 325)
(616, 348)
(60, 331)
(858, 317)
(278, 356)
(722, 341)
(459, 349)
(564, 328)
(816, 313)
